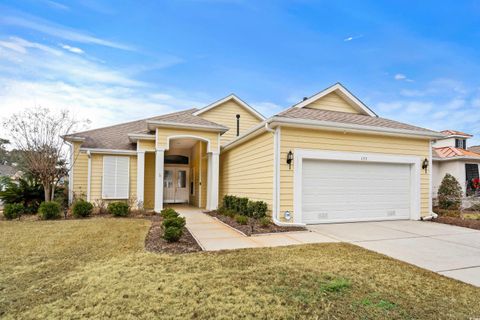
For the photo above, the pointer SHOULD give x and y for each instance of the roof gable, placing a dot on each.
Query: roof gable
(336, 98)
(233, 97)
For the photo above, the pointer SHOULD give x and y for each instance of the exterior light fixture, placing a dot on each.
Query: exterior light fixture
(289, 159)
(287, 215)
(425, 165)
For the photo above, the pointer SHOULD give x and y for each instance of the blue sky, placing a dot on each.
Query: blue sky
(113, 61)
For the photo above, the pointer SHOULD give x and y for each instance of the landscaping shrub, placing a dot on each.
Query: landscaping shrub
(13, 210)
(82, 208)
(243, 206)
(177, 222)
(265, 221)
(168, 213)
(172, 234)
(241, 219)
(118, 209)
(450, 193)
(49, 210)
(257, 209)
(25, 191)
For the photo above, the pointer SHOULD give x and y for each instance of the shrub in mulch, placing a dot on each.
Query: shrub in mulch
(253, 226)
(155, 242)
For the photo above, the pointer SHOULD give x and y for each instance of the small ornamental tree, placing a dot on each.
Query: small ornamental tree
(450, 193)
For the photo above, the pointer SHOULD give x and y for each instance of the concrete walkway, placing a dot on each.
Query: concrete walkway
(448, 250)
(213, 234)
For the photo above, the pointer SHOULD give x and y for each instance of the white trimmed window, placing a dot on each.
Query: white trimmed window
(116, 177)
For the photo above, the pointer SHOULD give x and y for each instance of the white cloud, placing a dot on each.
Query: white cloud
(56, 5)
(34, 75)
(352, 38)
(72, 49)
(56, 30)
(400, 76)
(267, 108)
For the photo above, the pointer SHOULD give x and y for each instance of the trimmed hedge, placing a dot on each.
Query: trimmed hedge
(450, 193)
(49, 210)
(178, 222)
(82, 208)
(13, 210)
(172, 234)
(118, 209)
(172, 225)
(245, 207)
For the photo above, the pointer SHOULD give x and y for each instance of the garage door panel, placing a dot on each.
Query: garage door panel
(354, 191)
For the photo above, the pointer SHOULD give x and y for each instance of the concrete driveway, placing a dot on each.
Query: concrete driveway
(449, 250)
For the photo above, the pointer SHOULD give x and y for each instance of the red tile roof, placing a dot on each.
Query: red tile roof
(455, 133)
(452, 152)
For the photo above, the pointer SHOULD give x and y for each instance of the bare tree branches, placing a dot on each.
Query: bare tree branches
(38, 134)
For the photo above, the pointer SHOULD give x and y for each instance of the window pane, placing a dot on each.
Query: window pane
(168, 179)
(181, 179)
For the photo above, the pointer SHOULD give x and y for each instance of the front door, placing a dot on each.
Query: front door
(175, 185)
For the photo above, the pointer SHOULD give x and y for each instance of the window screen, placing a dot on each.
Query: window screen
(116, 177)
(471, 171)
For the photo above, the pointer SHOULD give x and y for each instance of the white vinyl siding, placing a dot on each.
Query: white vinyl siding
(116, 177)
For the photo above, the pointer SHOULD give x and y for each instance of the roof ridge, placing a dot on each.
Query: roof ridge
(130, 122)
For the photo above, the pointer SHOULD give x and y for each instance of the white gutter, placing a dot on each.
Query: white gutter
(353, 127)
(110, 151)
(458, 158)
(168, 124)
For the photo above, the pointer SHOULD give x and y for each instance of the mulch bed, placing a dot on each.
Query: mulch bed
(253, 227)
(155, 243)
(457, 221)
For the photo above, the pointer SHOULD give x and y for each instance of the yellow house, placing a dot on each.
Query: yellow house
(329, 158)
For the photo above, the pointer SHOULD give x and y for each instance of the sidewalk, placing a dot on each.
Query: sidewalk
(214, 235)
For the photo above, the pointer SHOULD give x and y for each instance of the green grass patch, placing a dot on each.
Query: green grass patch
(98, 268)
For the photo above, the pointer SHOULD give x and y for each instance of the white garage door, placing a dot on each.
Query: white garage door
(344, 191)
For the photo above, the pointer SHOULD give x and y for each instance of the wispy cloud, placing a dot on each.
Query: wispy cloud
(56, 5)
(72, 49)
(350, 38)
(34, 74)
(55, 30)
(402, 77)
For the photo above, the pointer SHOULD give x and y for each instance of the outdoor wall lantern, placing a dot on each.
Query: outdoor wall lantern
(425, 165)
(289, 159)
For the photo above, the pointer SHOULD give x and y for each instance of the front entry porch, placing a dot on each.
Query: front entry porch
(185, 172)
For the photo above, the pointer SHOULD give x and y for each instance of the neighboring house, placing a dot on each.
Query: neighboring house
(329, 158)
(7, 171)
(450, 155)
(474, 149)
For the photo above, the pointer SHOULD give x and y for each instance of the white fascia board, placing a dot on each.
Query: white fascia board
(134, 137)
(344, 93)
(227, 98)
(463, 158)
(318, 124)
(74, 139)
(110, 151)
(152, 124)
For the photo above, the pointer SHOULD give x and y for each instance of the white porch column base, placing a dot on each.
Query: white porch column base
(212, 186)
(140, 178)
(159, 158)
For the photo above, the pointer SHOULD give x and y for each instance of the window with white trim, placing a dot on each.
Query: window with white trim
(116, 177)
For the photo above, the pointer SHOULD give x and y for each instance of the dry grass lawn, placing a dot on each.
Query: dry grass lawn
(98, 268)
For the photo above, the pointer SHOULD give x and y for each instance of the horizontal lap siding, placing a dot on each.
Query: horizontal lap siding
(292, 138)
(80, 169)
(146, 145)
(247, 170)
(164, 133)
(225, 114)
(332, 102)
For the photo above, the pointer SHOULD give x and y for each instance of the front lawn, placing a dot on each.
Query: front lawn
(98, 268)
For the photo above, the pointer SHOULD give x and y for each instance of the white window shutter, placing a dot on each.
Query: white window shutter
(116, 177)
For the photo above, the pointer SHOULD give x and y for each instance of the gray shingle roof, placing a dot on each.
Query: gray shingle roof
(348, 118)
(475, 149)
(7, 171)
(116, 136)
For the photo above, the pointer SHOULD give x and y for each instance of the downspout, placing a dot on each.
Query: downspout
(432, 214)
(276, 182)
(89, 174)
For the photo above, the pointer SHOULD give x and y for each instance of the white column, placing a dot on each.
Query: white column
(159, 158)
(213, 172)
(140, 177)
